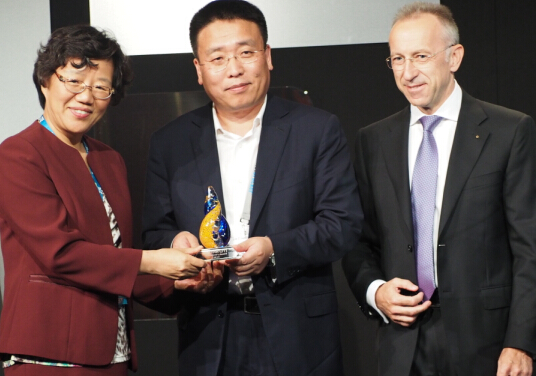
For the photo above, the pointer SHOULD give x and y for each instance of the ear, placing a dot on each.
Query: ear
(198, 70)
(45, 91)
(456, 56)
(268, 55)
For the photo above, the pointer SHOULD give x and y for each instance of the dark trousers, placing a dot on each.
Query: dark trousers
(432, 357)
(246, 351)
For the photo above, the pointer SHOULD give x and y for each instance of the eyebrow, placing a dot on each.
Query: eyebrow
(416, 52)
(247, 42)
(78, 72)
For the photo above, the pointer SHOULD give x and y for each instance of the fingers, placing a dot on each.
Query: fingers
(209, 277)
(404, 284)
(393, 301)
(191, 251)
(249, 264)
(246, 244)
(185, 239)
(193, 265)
(185, 284)
(406, 316)
(256, 250)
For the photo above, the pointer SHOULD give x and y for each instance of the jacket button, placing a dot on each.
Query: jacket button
(220, 314)
(410, 248)
(292, 271)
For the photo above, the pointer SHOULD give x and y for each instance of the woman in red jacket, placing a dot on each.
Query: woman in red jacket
(65, 222)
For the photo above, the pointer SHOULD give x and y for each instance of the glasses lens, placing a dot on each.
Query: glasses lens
(248, 57)
(75, 86)
(218, 68)
(101, 92)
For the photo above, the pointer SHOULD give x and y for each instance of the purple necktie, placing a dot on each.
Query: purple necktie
(423, 197)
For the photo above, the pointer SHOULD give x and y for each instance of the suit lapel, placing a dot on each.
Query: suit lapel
(205, 150)
(395, 151)
(466, 148)
(272, 143)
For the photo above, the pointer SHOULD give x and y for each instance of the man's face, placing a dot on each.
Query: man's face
(430, 85)
(239, 88)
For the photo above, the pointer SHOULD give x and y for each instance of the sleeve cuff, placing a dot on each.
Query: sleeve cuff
(371, 297)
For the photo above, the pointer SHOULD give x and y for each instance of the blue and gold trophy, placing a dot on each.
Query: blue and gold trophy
(214, 232)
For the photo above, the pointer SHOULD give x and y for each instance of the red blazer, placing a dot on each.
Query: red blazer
(62, 272)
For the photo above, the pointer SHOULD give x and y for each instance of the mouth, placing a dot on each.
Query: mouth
(237, 87)
(414, 87)
(80, 113)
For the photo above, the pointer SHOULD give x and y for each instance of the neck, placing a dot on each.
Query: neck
(238, 122)
(73, 140)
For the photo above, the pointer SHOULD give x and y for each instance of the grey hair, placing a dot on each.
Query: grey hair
(443, 13)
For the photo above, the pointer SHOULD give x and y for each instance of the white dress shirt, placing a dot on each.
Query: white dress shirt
(238, 156)
(444, 136)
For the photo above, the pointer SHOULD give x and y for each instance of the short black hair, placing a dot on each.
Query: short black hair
(226, 10)
(85, 43)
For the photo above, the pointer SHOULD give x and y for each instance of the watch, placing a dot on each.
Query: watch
(271, 260)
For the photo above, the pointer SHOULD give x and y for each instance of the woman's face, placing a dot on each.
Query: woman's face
(72, 115)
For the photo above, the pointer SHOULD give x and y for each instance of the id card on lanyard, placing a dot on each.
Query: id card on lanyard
(246, 212)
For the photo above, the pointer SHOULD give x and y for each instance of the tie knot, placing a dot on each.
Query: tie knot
(430, 122)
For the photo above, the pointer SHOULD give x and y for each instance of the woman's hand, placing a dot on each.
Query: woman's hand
(172, 263)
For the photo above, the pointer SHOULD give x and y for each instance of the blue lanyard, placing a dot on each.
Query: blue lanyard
(122, 299)
(99, 188)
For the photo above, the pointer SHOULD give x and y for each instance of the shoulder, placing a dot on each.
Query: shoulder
(507, 126)
(26, 141)
(493, 113)
(185, 123)
(96, 145)
(295, 111)
(399, 119)
(100, 151)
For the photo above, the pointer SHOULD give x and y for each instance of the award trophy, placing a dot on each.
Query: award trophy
(214, 232)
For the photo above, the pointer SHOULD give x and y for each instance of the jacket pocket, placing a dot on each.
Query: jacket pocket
(322, 304)
(484, 180)
(496, 297)
(41, 278)
(289, 181)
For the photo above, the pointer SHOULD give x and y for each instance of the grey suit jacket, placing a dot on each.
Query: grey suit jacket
(305, 199)
(486, 255)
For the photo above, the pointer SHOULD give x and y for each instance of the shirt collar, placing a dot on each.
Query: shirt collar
(257, 122)
(449, 110)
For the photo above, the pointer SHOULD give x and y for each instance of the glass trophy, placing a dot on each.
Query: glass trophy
(214, 232)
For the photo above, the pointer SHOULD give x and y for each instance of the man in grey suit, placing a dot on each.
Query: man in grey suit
(447, 258)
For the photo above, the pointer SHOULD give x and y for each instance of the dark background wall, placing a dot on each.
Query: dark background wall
(353, 82)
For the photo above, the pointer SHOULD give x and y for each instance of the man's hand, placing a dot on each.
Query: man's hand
(514, 362)
(209, 277)
(257, 252)
(185, 239)
(401, 309)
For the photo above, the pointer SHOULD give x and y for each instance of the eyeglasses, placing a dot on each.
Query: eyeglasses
(220, 63)
(76, 87)
(398, 62)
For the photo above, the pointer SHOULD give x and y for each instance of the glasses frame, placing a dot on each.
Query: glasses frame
(84, 87)
(412, 60)
(223, 67)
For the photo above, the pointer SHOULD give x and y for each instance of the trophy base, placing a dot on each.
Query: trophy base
(216, 254)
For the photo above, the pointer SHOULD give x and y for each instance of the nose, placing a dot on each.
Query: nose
(85, 96)
(409, 71)
(234, 66)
